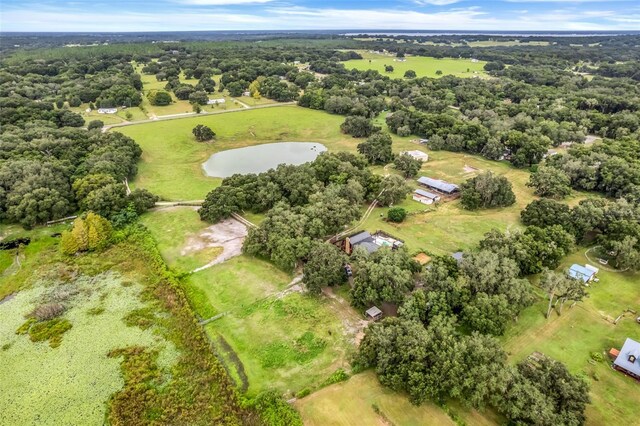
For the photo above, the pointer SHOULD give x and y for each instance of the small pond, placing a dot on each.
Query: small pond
(260, 158)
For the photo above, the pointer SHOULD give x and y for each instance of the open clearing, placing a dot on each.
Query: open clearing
(172, 159)
(188, 244)
(582, 330)
(267, 337)
(362, 400)
(422, 65)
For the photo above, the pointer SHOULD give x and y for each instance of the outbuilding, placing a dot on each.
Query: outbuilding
(107, 110)
(216, 101)
(425, 197)
(417, 154)
(583, 273)
(439, 185)
(373, 313)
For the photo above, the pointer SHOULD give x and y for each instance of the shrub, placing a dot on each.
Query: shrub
(92, 233)
(397, 214)
(338, 376)
(48, 311)
(95, 124)
(275, 411)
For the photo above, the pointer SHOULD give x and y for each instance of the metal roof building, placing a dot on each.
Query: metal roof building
(580, 272)
(438, 185)
(629, 359)
(427, 194)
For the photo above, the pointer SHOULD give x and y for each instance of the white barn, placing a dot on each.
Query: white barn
(417, 154)
(215, 101)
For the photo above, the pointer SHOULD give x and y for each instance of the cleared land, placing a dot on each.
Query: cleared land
(172, 159)
(583, 330)
(270, 335)
(422, 65)
(363, 400)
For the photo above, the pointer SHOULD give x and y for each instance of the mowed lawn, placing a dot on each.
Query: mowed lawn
(447, 227)
(172, 159)
(585, 329)
(423, 66)
(362, 400)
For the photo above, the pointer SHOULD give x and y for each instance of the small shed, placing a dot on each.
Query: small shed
(374, 313)
(425, 197)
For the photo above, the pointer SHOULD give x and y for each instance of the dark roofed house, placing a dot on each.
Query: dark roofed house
(362, 239)
(628, 359)
(438, 185)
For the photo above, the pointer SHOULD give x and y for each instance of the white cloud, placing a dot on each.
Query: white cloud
(296, 18)
(435, 2)
(221, 2)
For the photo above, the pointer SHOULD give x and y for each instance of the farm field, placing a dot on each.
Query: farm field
(172, 159)
(423, 66)
(581, 331)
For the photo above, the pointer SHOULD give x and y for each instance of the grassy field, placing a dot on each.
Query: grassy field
(268, 338)
(172, 160)
(363, 400)
(422, 65)
(585, 329)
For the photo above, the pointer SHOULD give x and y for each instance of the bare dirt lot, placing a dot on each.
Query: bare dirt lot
(228, 234)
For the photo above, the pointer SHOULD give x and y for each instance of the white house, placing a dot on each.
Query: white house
(215, 101)
(107, 110)
(246, 93)
(417, 154)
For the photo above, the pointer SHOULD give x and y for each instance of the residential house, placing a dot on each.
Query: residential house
(628, 359)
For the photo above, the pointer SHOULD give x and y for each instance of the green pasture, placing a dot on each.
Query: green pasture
(172, 159)
(172, 228)
(288, 342)
(267, 338)
(583, 330)
(363, 400)
(423, 66)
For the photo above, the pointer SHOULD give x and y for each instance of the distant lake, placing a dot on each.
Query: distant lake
(260, 158)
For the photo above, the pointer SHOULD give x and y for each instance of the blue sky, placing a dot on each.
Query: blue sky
(178, 15)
